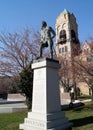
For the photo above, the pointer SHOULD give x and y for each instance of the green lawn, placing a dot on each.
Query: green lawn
(11, 121)
(82, 118)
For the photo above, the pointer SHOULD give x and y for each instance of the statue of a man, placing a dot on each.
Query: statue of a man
(47, 35)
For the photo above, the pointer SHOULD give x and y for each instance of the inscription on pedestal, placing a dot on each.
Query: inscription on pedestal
(40, 73)
(36, 123)
(39, 90)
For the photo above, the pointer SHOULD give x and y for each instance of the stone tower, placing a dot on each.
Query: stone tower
(66, 34)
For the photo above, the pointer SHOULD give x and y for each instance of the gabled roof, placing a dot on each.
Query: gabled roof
(86, 44)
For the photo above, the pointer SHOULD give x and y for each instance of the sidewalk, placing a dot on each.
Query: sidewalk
(10, 107)
(19, 106)
(68, 105)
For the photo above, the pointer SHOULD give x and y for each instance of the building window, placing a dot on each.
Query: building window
(59, 50)
(66, 49)
(73, 36)
(62, 36)
(90, 58)
(62, 49)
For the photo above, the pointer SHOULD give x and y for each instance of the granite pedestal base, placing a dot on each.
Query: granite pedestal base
(46, 110)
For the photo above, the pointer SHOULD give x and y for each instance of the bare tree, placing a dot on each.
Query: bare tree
(8, 84)
(68, 71)
(65, 73)
(17, 50)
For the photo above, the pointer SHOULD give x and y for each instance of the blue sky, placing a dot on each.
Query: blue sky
(15, 15)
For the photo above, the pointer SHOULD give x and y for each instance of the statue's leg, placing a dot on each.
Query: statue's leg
(51, 50)
(40, 50)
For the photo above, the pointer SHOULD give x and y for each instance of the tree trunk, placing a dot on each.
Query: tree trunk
(92, 94)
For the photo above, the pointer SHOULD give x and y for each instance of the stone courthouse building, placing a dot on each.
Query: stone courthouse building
(67, 39)
(66, 33)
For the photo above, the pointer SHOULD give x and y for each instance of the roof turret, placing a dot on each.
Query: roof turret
(65, 11)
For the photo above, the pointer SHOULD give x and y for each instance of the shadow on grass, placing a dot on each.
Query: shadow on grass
(71, 106)
(82, 121)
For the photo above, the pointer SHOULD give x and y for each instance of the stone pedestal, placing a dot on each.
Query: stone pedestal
(46, 110)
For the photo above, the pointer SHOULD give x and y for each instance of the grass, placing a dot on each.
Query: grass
(11, 121)
(84, 97)
(81, 117)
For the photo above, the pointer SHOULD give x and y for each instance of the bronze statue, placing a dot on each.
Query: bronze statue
(47, 35)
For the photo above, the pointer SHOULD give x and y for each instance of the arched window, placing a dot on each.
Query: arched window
(62, 36)
(73, 36)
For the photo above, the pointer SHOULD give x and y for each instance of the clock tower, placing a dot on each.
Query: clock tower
(66, 34)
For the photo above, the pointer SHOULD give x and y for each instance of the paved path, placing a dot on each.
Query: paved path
(16, 105)
(12, 107)
(9, 107)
